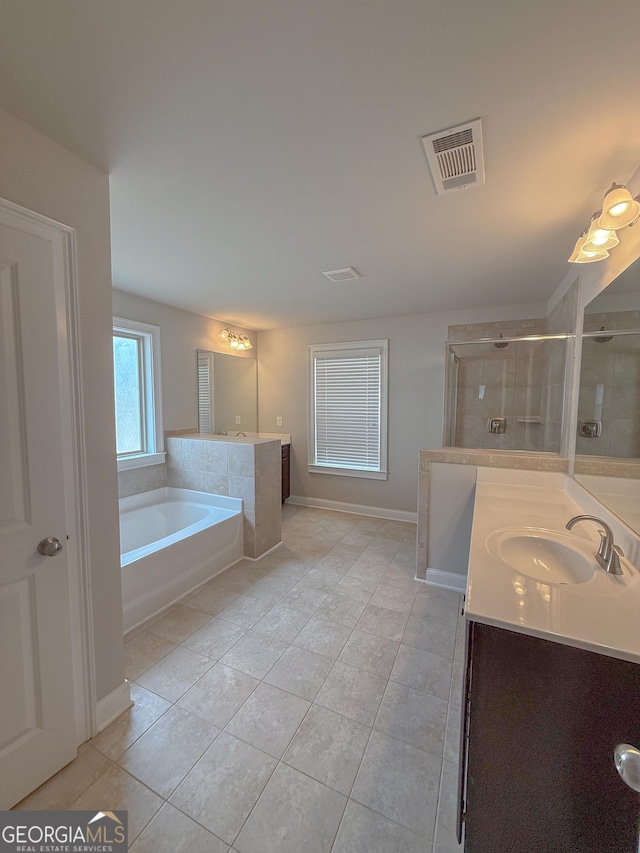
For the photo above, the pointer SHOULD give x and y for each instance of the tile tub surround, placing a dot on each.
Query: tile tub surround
(248, 468)
(484, 458)
(291, 731)
(134, 481)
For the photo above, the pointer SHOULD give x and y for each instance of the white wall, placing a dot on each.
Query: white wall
(181, 334)
(416, 383)
(39, 174)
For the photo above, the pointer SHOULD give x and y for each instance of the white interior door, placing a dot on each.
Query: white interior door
(37, 712)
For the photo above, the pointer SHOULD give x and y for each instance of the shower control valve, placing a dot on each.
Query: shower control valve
(497, 426)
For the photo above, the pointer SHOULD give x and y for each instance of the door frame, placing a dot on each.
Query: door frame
(63, 242)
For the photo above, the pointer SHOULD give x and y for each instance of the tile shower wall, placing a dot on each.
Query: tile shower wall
(249, 469)
(521, 381)
(610, 386)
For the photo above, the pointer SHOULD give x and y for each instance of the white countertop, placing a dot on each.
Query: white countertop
(602, 615)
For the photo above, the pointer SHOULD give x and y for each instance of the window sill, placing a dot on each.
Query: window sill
(348, 472)
(143, 460)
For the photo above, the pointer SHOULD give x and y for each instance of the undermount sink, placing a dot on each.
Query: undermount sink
(543, 555)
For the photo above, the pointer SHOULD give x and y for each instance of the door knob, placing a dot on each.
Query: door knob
(49, 547)
(627, 759)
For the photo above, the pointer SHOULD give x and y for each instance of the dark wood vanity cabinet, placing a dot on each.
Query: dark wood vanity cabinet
(286, 471)
(541, 721)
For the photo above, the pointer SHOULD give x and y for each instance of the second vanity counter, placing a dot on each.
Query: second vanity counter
(600, 615)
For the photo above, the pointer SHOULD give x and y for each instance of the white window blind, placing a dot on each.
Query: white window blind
(205, 392)
(348, 408)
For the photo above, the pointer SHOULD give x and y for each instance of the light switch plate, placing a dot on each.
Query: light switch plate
(279, 420)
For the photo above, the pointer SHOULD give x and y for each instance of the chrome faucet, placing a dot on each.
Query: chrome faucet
(609, 554)
(241, 433)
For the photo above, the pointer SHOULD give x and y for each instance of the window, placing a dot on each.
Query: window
(136, 367)
(348, 409)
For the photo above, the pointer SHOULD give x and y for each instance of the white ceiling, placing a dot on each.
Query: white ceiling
(254, 143)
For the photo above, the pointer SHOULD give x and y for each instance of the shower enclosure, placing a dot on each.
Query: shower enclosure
(506, 393)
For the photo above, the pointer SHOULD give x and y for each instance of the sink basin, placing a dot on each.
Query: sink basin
(543, 555)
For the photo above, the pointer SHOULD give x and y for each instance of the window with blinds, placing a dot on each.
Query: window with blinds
(348, 408)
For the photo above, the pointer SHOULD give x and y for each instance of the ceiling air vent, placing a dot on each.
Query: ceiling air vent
(455, 157)
(347, 274)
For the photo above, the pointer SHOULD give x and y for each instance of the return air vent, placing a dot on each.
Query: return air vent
(347, 274)
(455, 157)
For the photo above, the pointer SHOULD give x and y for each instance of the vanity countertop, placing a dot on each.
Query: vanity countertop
(601, 615)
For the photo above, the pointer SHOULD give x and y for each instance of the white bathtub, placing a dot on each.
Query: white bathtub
(172, 540)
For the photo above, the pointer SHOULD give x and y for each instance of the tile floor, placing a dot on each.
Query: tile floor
(309, 701)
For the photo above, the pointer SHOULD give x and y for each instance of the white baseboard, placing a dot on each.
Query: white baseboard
(113, 704)
(356, 509)
(447, 580)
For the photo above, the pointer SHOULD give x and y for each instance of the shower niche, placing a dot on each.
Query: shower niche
(506, 392)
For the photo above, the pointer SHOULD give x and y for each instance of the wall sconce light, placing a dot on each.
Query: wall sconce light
(619, 209)
(237, 342)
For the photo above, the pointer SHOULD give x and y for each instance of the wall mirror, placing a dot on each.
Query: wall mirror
(227, 393)
(608, 436)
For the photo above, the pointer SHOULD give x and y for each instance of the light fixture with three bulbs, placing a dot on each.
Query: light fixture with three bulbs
(619, 209)
(236, 341)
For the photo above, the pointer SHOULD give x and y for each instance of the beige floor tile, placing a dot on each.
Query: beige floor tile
(304, 599)
(67, 785)
(325, 638)
(215, 638)
(352, 692)
(218, 694)
(147, 708)
(367, 651)
(383, 622)
(300, 672)
(357, 588)
(342, 610)
(269, 719)
(142, 651)
(281, 623)
(414, 717)
(244, 611)
(179, 623)
(254, 654)
(271, 590)
(328, 747)
(430, 636)
(211, 599)
(437, 609)
(116, 790)
(175, 673)
(365, 830)
(423, 671)
(322, 578)
(400, 782)
(369, 568)
(294, 814)
(164, 755)
(446, 820)
(223, 787)
(171, 831)
(394, 598)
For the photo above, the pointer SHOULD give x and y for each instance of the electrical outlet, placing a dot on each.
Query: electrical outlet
(238, 420)
(279, 420)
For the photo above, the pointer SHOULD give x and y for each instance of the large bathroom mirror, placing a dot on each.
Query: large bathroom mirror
(608, 439)
(227, 393)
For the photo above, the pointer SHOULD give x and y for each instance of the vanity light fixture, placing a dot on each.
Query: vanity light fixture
(599, 239)
(235, 341)
(579, 256)
(619, 209)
